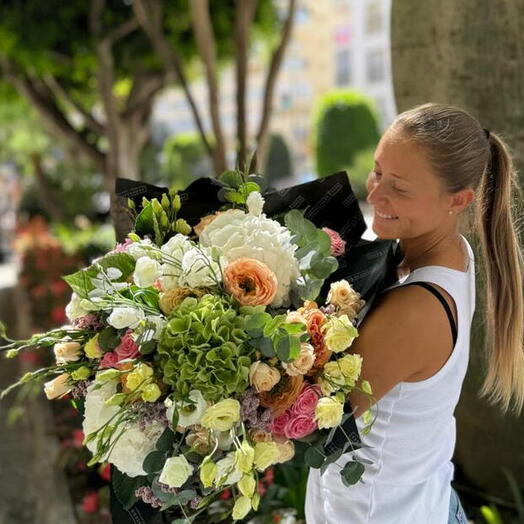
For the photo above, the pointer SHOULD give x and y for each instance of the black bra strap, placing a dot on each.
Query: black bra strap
(443, 302)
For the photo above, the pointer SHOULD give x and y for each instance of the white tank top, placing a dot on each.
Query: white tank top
(413, 438)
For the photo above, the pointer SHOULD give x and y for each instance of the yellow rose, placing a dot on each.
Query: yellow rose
(332, 375)
(244, 456)
(57, 387)
(339, 333)
(328, 412)
(151, 393)
(176, 471)
(208, 472)
(222, 416)
(286, 449)
(92, 348)
(351, 366)
(241, 508)
(266, 454)
(303, 363)
(247, 485)
(263, 377)
(133, 381)
(67, 352)
(347, 300)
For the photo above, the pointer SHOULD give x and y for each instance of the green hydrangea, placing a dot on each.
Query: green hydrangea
(204, 346)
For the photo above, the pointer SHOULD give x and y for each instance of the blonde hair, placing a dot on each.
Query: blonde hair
(464, 155)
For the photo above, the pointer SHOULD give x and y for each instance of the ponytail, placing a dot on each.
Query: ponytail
(499, 205)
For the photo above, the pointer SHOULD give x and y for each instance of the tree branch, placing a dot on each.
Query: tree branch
(269, 88)
(42, 99)
(150, 16)
(244, 15)
(205, 41)
(145, 87)
(125, 29)
(60, 92)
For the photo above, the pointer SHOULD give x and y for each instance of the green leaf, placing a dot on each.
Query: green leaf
(231, 178)
(154, 462)
(294, 328)
(108, 339)
(3, 332)
(176, 416)
(330, 459)
(80, 281)
(126, 263)
(273, 325)
(283, 348)
(351, 473)
(294, 347)
(314, 458)
(165, 442)
(124, 487)
(264, 344)
(311, 289)
(321, 269)
(323, 242)
(148, 347)
(235, 197)
(144, 220)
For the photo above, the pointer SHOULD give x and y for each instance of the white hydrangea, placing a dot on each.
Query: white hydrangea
(237, 234)
(133, 446)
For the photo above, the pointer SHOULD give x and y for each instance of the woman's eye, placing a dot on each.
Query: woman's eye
(399, 190)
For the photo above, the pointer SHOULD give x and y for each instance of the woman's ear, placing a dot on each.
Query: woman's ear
(462, 199)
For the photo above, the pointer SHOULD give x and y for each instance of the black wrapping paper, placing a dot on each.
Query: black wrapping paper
(369, 266)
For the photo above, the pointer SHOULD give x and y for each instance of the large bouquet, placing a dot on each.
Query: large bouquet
(201, 355)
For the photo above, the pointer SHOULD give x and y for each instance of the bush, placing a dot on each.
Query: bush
(345, 124)
(279, 164)
(359, 170)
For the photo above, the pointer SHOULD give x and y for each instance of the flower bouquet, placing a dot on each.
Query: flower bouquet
(200, 356)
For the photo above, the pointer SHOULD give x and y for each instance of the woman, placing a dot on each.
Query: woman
(430, 166)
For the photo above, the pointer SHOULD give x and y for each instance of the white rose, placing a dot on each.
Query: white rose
(176, 471)
(146, 272)
(122, 317)
(188, 413)
(199, 269)
(67, 352)
(57, 387)
(255, 203)
(74, 309)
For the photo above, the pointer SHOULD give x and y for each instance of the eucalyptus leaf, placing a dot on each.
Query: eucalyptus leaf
(330, 459)
(351, 473)
(314, 458)
(165, 441)
(154, 462)
(108, 339)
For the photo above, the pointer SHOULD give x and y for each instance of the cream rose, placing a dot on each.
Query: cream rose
(303, 363)
(339, 333)
(263, 377)
(176, 471)
(57, 387)
(342, 295)
(286, 449)
(222, 415)
(328, 412)
(146, 272)
(294, 317)
(67, 352)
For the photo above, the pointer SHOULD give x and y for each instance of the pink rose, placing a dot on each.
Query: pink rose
(109, 360)
(300, 426)
(127, 347)
(121, 248)
(279, 423)
(338, 246)
(307, 401)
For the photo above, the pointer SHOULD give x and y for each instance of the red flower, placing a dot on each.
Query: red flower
(58, 315)
(78, 438)
(105, 472)
(90, 502)
(225, 495)
(127, 347)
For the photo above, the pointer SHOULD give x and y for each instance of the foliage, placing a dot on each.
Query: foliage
(359, 170)
(345, 123)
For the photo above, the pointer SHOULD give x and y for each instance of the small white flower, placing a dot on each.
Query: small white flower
(176, 471)
(199, 269)
(122, 317)
(255, 203)
(144, 248)
(176, 246)
(146, 272)
(74, 309)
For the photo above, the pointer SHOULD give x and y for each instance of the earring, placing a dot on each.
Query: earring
(451, 212)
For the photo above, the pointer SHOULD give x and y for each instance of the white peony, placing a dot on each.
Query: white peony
(123, 317)
(133, 446)
(199, 269)
(74, 309)
(255, 203)
(237, 234)
(146, 272)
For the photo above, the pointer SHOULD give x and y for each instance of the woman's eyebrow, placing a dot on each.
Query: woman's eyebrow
(394, 174)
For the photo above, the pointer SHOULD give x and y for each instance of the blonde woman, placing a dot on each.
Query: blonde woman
(431, 165)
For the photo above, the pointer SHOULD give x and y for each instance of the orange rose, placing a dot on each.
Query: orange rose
(282, 396)
(315, 320)
(205, 221)
(250, 281)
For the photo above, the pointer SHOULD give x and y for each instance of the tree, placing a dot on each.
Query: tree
(92, 75)
(468, 54)
(345, 123)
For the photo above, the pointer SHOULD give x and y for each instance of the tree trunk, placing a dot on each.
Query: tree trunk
(470, 54)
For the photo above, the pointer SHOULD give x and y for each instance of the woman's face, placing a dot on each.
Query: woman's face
(408, 199)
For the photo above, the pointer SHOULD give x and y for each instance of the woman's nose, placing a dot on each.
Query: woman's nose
(375, 193)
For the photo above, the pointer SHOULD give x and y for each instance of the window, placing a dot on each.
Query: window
(343, 67)
(375, 65)
(373, 17)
